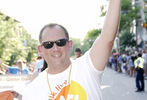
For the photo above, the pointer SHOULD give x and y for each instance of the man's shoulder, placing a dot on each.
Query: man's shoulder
(36, 82)
(40, 76)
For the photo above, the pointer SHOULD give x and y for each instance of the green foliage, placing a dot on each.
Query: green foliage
(103, 12)
(12, 41)
(30, 46)
(146, 17)
(127, 40)
(91, 36)
(89, 39)
(129, 13)
(29, 56)
(76, 44)
(126, 5)
(85, 46)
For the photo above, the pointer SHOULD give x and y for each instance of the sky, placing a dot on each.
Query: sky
(77, 16)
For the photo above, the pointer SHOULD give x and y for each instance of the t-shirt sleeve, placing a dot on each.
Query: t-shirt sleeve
(27, 92)
(95, 72)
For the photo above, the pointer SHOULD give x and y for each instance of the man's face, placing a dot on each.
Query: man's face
(19, 64)
(77, 54)
(57, 55)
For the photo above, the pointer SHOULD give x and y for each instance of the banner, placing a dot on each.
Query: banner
(14, 82)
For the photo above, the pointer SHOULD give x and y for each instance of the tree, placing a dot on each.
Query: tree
(91, 36)
(129, 13)
(30, 46)
(8, 38)
(103, 11)
(13, 39)
(127, 39)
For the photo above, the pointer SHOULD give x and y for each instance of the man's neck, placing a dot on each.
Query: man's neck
(55, 69)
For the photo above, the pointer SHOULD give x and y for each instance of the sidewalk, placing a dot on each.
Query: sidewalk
(145, 78)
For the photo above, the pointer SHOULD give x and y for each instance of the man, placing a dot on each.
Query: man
(19, 69)
(139, 64)
(77, 53)
(78, 80)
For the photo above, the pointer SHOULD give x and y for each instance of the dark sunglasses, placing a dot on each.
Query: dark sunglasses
(50, 44)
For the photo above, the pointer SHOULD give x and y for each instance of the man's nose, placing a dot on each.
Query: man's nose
(55, 47)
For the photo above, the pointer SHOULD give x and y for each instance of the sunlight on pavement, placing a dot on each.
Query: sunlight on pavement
(105, 86)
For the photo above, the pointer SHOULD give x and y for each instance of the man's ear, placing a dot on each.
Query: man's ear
(70, 45)
(40, 50)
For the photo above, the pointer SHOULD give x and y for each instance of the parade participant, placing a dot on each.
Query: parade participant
(78, 80)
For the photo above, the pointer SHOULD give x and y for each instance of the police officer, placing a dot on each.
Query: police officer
(139, 63)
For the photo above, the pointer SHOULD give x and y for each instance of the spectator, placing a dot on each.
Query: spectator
(39, 64)
(120, 62)
(77, 53)
(144, 56)
(19, 69)
(131, 66)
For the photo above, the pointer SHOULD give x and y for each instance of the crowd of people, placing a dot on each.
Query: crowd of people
(124, 63)
(21, 67)
(133, 64)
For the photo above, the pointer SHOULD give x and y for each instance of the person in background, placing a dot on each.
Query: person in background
(19, 69)
(77, 53)
(139, 64)
(120, 62)
(39, 64)
(144, 56)
(114, 62)
(131, 66)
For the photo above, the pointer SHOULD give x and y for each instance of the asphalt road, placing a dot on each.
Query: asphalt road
(118, 86)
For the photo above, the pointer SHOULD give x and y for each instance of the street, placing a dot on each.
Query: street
(118, 86)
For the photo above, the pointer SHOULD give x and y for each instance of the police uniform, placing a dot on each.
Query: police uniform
(139, 64)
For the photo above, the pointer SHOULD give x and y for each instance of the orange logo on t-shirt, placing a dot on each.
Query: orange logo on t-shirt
(74, 91)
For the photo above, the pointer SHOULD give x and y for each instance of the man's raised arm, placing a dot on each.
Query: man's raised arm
(102, 46)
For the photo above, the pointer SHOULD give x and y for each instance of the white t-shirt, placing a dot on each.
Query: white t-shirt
(84, 83)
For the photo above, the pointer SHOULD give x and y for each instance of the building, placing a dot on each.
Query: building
(141, 23)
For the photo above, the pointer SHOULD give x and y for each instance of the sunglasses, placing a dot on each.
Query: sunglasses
(50, 44)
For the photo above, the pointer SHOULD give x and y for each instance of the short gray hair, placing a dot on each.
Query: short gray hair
(52, 25)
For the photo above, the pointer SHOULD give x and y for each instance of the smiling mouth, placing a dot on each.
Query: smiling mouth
(56, 55)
